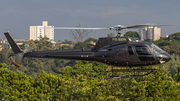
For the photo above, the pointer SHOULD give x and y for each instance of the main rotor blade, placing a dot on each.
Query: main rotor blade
(79, 28)
(144, 25)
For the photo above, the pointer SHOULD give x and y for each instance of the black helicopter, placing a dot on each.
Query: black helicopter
(115, 51)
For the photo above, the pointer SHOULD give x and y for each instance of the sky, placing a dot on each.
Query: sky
(17, 15)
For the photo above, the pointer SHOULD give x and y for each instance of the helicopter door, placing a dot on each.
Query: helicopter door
(117, 55)
(132, 57)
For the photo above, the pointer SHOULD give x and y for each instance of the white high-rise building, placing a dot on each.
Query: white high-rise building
(153, 33)
(41, 31)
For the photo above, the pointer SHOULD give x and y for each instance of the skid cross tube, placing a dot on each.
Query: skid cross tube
(148, 71)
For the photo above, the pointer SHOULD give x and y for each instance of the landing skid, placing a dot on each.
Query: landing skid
(132, 73)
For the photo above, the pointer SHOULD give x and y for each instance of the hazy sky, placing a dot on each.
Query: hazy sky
(17, 15)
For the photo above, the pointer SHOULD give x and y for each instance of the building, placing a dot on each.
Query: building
(36, 32)
(153, 33)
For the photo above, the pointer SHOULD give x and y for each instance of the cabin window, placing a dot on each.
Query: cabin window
(130, 51)
(142, 50)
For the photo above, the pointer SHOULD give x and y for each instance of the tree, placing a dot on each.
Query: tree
(3, 65)
(44, 44)
(4, 56)
(174, 36)
(133, 34)
(149, 40)
(79, 35)
(111, 35)
(69, 46)
(85, 44)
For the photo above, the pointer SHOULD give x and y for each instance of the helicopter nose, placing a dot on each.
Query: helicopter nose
(168, 57)
(164, 58)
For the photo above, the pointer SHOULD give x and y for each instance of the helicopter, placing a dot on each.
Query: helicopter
(115, 51)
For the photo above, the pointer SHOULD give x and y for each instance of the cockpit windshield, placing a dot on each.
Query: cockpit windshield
(156, 49)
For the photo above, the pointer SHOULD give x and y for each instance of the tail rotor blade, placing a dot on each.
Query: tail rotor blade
(29, 46)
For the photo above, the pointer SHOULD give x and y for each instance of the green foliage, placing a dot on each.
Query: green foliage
(85, 81)
(149, 40)
(15, 85)
(111, 35)
(44, 44)
(172, 66)
(85, 44)
(133, 34)
(4, 56)
(83, 67)
(174, 36)
(177, 75)
(70, 43)
(67, 42)
(3, 65)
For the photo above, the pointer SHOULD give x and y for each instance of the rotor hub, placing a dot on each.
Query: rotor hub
(119, 27)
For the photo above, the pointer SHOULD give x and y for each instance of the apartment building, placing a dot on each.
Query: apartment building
(41, 31)
(153, 33)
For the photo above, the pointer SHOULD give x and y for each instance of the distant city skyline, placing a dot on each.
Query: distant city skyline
(17, 16)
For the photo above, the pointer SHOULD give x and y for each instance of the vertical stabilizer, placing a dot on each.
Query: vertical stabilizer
(14, 46)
